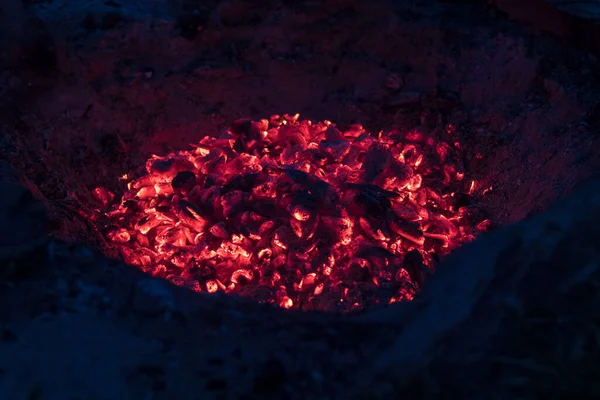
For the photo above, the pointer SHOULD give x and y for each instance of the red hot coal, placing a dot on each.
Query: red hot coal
(296, 213)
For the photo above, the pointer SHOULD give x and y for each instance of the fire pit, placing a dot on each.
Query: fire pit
(195, 247)
(297, 213)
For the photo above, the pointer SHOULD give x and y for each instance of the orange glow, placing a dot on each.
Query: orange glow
(472, 187)
(296, 213)
(286, 302)
(211, 286)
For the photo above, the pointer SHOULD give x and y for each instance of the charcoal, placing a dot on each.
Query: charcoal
(332, 133)
(403, 212)
(161, 166)
(242, 276)
(241, 127)
(209, 182)
(443, 225)
(207, 272)
(146, 192)
(244, 230)
(462, 200)
(299, 177)
(371, 228)
(184, 179)
(336, 149)
(336, 228)
(103, 196)
(413, 264)
(443, 151)
(212, 285)
(320, 189)
(399, 224)
(165, 210)
(371, 188)
(266, 208)
(364, 141)
(181, 259)
(191, 215)
(376, 161)
(216, 166)
(434, 196)
(267, 189)
(240, 145)
(132, 205)
(147, 223)
(410, 153)
(233, 202)
(279, 261)
(266, 226)
(116, 234)
(400, 171)
(485, 226)
(376, 256)
(140, 256)
(244, 183)
(292, 136)
(408, 230)
(472, 215)
(301, 213)
(290, 154)
(358, 273)
(373, 203)
(303, 229)
(160, 272)
(141, 182)
(308, 282)
(283, 237)
(305, 199)
(219, 230)
(142, 240)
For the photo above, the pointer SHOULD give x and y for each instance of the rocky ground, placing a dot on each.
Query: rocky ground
(89, 89)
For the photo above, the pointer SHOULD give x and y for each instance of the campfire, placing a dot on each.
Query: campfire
(300, 214)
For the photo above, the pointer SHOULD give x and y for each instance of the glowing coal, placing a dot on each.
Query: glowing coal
(297, 213)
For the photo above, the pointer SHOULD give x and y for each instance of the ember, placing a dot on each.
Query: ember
(297, 213)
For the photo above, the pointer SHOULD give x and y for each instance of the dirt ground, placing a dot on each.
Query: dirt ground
(90, 89)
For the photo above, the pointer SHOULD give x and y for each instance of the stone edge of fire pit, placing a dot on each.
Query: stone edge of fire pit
(464, 305)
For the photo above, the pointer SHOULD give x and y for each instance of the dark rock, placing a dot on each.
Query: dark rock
(89, 23)
(22, 229)
(215, 385)
(271, 378)
(106, 22)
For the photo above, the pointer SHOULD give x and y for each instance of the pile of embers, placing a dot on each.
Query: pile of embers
(297, 213)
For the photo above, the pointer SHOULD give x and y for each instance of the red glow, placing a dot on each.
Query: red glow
(296, 213)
